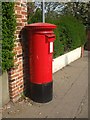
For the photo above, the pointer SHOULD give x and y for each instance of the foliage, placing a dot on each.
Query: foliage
(36, 17)
(78, 10)
(70, 34)
(8, 29)
(35, 11)
(30, 10)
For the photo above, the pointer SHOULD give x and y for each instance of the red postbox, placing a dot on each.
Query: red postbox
(40, 39)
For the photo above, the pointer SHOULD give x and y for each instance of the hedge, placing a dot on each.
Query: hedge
(8, 29)
(70, 34)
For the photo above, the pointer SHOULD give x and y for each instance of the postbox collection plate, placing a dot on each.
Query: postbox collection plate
(51, 47)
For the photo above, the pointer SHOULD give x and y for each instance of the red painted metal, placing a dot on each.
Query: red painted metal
(39, 36)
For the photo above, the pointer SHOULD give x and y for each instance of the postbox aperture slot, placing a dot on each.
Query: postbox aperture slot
(50, 37)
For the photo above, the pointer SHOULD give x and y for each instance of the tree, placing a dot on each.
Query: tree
(78, 9)
(30, 10)
(52, 10)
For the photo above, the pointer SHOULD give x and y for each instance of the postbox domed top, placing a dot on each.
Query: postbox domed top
(41, 26)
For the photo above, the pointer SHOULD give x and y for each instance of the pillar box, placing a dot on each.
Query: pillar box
(40, 40)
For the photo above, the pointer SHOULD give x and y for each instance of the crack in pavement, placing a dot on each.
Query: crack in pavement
(80, 108)
(73, 84)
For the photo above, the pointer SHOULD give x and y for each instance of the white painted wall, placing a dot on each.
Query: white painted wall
(66, 59)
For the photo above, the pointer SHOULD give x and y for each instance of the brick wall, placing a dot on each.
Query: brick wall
(18, 75)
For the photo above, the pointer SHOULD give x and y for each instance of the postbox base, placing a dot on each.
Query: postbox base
(41, 93)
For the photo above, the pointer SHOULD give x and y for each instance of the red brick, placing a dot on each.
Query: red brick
(19, 21)
(14, 96)
(24, 13)
(23, 24)
(17, 32)
(19, 27)
(23, 8)
(20, 63)
(15, 90)
(19, 24)
(18, 16)
(16, 74)
(21, 83)
(23, 17)
(20, 91)
(18, 48)
(20, 67)
(20, 71)
(17, 3)
(12, 83)
(24, 20)
(20, 59)
(18, 8)
(19, 51)
(20, 77)
(12, 87)
(19, 44)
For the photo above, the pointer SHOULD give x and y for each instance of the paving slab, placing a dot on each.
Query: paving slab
(70, 96)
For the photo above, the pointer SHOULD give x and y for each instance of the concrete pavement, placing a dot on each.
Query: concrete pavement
(70, 96)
